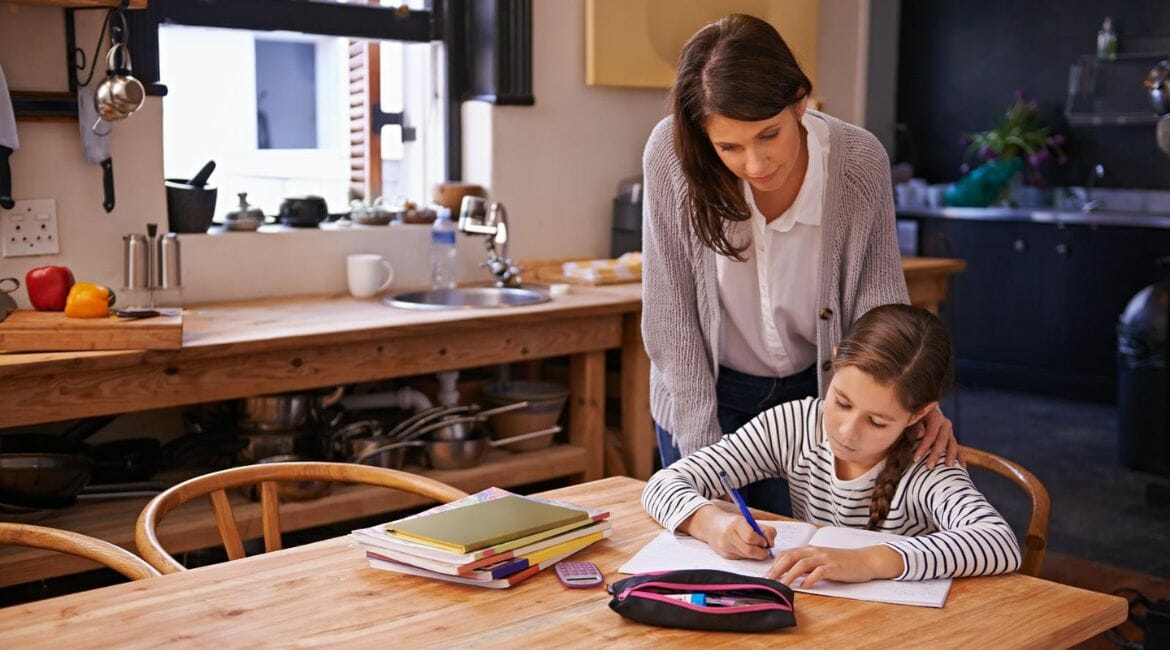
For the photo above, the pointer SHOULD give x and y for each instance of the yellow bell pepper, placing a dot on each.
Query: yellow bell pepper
(88, 300)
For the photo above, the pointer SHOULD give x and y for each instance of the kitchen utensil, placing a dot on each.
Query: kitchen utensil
(421, 416)
(168, 264)
(1158, 84)
(367, 274)
(95, 142)
(341, 441)
(450, 194)
(7, 304)
(135, 262)
(200, 177)
(1162, 133)
(545, 401)
(265, 444)
(303, 211)
(46, 471)
(26, 330)
(285, 411)
(456, 454)
(190, 208)
(244, 217)
(291, 490)
(9, 142)
(120, 94)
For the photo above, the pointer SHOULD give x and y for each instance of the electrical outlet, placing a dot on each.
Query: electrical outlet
(30, 228)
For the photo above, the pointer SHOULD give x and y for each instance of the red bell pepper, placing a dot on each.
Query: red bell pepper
(48, 287)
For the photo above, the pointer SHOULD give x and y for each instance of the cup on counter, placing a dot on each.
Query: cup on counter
(367, 274)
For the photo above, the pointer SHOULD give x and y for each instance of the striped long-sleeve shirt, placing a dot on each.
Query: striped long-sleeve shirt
(952, 530)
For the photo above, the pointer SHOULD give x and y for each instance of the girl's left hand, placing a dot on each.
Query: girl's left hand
(839, 564)
(936, 436)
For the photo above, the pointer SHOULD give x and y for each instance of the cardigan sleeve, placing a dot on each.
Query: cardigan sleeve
(670, 309)
(882, 281)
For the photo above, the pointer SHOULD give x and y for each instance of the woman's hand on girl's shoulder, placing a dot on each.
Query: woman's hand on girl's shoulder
(839, 564)
(936, 437)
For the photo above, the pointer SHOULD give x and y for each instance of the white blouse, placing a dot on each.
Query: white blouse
(768, 302)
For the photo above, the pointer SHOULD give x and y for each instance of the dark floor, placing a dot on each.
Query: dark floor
(1100, 510)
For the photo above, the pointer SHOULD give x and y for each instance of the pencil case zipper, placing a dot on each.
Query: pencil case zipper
(637, 592)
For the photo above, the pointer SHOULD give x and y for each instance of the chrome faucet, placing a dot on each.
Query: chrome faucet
(477, 218)
(1097, 172)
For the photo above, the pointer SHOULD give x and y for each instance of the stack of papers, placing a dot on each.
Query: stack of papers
(493, 538)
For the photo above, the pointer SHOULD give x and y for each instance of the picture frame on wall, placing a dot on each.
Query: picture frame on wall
(636, 43)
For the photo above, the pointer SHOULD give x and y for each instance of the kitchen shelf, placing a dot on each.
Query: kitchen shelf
(192, 525)
(1110, 92)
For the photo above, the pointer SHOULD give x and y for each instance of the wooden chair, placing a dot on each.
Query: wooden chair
(216, 484)
(1036, 539)
(64, 541)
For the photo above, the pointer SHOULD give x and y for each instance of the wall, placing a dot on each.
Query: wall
(961, 62)
(556, 165)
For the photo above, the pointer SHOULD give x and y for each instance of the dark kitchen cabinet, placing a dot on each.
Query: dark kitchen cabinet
(1037, 307)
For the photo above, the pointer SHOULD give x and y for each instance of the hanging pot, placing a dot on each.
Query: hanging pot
(7, 304)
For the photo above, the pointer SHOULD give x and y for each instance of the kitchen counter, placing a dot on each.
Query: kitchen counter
(1045, 215)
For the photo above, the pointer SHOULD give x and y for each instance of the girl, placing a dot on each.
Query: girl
(768, 229)
(849, 462)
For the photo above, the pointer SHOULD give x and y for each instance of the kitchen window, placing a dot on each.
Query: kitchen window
(284, 114)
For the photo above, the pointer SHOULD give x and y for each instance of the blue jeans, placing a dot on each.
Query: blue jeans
(739, 397)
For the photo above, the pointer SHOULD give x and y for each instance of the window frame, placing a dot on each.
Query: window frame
(488, 45)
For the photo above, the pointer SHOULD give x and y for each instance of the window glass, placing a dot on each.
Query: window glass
(273, 109)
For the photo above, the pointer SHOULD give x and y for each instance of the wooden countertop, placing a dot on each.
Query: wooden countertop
(222, 329)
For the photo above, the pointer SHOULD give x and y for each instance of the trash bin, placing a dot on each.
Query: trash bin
(1143, 392)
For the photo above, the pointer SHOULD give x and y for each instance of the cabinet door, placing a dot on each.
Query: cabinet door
(995, 307)
(1095, 271)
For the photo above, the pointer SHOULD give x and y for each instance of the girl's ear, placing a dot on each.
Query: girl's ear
(922, 412)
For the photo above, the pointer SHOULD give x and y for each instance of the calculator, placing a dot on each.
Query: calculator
(579, 575)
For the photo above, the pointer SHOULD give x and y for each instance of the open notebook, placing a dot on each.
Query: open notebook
(669, 552)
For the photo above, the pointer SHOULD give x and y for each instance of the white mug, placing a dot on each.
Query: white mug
(363, 272)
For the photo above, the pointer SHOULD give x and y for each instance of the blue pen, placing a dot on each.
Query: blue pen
(747, 514)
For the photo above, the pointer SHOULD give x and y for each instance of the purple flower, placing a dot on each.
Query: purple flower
(965, 140)
(1020, 95)
(1038, 158)
(1033, 105)
(964, 168)
(1056, 139)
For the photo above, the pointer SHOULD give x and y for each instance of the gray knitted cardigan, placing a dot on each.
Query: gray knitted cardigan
(860, 269)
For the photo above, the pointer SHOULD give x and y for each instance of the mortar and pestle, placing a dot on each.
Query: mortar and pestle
(190, 202)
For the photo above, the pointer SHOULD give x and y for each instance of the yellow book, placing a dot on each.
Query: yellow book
(477, 526)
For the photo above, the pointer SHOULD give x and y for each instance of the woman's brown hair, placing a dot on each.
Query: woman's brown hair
(740, 68)
(909, 349)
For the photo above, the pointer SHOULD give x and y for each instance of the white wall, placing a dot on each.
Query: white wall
(556, 165)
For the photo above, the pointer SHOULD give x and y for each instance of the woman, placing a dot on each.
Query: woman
(768, 229)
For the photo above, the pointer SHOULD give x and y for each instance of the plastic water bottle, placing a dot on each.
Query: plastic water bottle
(443, 250)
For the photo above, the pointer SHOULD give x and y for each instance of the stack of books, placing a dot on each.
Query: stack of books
(489, 539)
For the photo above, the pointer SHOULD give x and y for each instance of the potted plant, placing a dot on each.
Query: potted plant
(1010, 156)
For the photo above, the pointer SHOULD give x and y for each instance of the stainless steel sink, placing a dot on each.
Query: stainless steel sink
(466, 298)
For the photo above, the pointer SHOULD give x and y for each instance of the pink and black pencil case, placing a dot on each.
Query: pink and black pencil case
(701, 599)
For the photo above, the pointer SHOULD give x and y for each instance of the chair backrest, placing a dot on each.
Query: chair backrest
(216, 484)
(65, 541)
(1036, 538)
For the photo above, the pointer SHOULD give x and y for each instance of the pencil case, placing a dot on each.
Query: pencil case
(702, 599)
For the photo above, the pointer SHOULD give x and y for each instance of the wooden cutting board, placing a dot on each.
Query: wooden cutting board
(50, 331)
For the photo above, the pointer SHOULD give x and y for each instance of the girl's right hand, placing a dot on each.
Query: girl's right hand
(729, 534)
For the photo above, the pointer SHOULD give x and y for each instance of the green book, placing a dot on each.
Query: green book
(483, 524)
